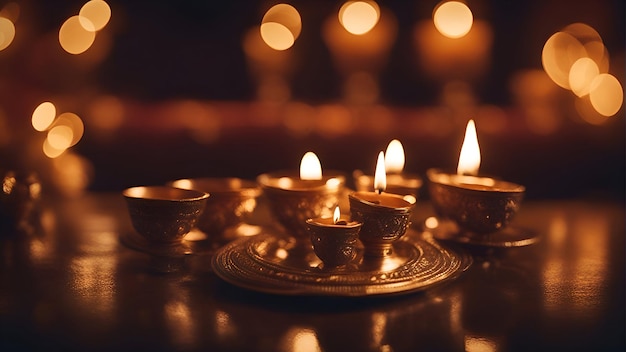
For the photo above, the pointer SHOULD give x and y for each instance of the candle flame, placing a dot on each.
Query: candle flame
(394, 157)
(310, 167)
(380, 177)
(336, 215)
(469, 159)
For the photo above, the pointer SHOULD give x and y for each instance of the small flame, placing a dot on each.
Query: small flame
(336, 215)
(310, 167)
(380, 177)
(394, 157)
(469, 159)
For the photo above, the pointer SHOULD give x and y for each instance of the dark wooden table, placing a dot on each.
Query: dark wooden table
(73, 286)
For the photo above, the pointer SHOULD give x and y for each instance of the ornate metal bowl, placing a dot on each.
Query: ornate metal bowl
(164, 214)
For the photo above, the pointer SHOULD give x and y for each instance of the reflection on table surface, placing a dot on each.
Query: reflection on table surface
(72, 285)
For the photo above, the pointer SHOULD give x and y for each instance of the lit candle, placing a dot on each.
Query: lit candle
(294, 198)
(334, 239)
(468, 167)
(476, 203)
(398, 182)
(336, 221)
(385, 216)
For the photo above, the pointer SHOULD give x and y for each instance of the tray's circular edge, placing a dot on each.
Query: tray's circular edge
(291, 289)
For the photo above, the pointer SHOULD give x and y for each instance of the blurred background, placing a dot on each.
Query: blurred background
(143, 92)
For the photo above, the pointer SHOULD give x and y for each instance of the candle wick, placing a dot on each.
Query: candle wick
(379, 191)
(341, 222)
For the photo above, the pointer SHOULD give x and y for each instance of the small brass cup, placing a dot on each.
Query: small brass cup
(164, 214)
(477, 205)
(385, 218)
(335, 245)
(231, 202)
(294, 201)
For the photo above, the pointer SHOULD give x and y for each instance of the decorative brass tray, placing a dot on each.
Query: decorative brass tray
(510, 236)
(276, 263)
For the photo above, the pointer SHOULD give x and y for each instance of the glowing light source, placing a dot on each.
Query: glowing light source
(582, 73)
(453, 19)
(336, 215)
(73, 122)
(380, 176)
(359, 17)
(94, 15)
(73, 36)
(7, 32)
(43, 116)
(394, 157)
(469, 159)
(606, 94)
(60, 137)
(50, 151)
(310, 167)
(277, 36)
(281, 26)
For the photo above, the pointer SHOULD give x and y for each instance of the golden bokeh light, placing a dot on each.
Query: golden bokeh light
(74, 123)
(43, 116)
(277, 36)
(286, 15)
(359, 17)
(7, 32)
(95, 14)
(50, 151)
(73, 36)
(453, 19)
(281, 26)
(60, 137)
(592, 42)
(582, 73)
(559, 53)
(606, 94)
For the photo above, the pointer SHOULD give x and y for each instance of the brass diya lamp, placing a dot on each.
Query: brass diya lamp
(397, 181)
(478, 206)
(334, 239)
(385, 216)
(231, 202)
(163, 215)
(294, 199)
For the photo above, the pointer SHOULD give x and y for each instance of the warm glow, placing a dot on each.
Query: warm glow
(74, 38)
(606, 94)
(380, 176)
(95, 14)
(394, 157)
(277, 36)
(43, 116)
(7, 32)
(359, 17)
(50, 151)
(60, 137)
(469, 159)
(281, 26)
(453, 19)
(582, 73)
(310, 167)
(73, 122)
(336, 215)
(559, 53)
(431, 222)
